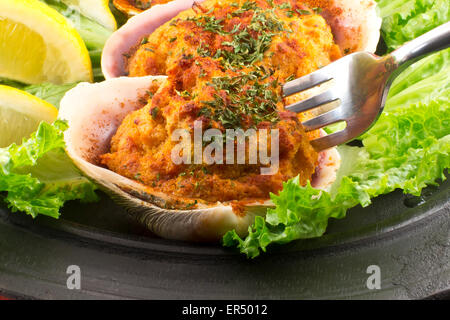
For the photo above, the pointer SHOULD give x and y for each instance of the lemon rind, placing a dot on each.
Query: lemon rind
(46, 21)
(25, 103)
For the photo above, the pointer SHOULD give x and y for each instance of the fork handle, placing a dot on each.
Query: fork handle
(432, 41)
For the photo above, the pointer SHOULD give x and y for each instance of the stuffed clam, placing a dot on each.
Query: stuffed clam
(158, 141)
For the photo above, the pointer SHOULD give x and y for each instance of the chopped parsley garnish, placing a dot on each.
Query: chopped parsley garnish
(291, 77)
(154, 112)
(203, 50)
(248, 5)
(144, 40)
(183, 94)
(190, 205)
(246, 96)
(285, 5)
(137, 177)
(303, 12)
(208, 23)
(249, 96)
(249, 44)
(246, 48)
(317, 10)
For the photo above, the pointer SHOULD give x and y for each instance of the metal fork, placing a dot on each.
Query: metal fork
(361, 83)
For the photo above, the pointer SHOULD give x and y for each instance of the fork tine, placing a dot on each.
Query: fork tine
(313, 102)
(331, 140)
(305, 82)
(324, 119)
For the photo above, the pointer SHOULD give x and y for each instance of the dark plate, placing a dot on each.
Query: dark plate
(408, 238)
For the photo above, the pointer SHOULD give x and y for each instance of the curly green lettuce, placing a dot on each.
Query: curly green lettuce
(404, 20)
(299, 213)
(37, 177)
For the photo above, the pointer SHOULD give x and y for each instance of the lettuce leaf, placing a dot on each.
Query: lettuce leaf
(435, 64)
(37, 177)
(404, 20)
(427, 81)
(49, 92)
(299, 213)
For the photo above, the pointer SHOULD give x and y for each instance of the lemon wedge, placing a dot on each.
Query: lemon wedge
(37, 45)
(97, 10)
(20, 114)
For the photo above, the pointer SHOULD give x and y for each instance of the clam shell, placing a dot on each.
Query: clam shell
(94, 112)
(355, 25)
